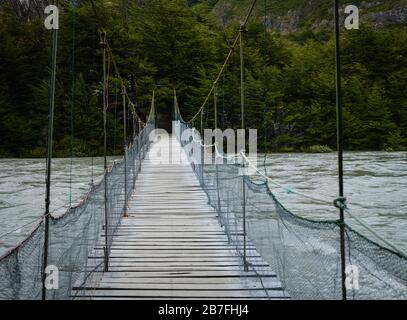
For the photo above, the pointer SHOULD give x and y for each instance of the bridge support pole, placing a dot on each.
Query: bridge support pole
(242, 28)
(134, 155)
(134, 123)
(125, 149)
(339, 119)
(242, 96)
(245, 265)
(221, 217)
(139, 145)
(103, 45)
(215, 105)
(49, 158)
(201, 124)
(217, 190)
(202, 166)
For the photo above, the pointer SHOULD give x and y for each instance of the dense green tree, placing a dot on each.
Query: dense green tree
(289, 80)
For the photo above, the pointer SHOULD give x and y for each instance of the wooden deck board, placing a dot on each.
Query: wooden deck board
(171, 246)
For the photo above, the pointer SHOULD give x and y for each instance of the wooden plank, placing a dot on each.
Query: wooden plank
(187, 269)
(188, 274)
(171, 246)
(161, 254)
(181, 286)
(268, 282)
(161, 265)
(201, 260)
(225, 294)
(81, 296)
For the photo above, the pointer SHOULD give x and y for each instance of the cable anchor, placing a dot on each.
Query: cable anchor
(340, 203)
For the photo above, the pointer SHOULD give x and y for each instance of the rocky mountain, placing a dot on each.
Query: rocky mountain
(26, 9)
(294, 15)
(29, 9)
(286, 16)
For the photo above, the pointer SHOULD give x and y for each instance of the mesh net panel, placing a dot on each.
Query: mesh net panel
(304, 253)
(223, 185)
(20, 269)
(77, 238)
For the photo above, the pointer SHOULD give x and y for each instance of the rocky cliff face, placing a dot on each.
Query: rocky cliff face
(283, 15)
(389, 17)
(313, 14)
(27, 9)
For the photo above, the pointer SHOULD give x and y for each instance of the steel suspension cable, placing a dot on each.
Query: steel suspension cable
(265, 89)
(320, 200)
(235, 42)
(110, 53)
(46, 216)
(73, 84)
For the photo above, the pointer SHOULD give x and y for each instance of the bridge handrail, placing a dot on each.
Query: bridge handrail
(292, 236)
(74, 236)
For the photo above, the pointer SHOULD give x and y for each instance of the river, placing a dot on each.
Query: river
(22, 191)
(375, 186)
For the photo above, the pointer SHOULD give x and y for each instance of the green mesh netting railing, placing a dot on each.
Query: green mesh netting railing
(74, 237)
(304, 253)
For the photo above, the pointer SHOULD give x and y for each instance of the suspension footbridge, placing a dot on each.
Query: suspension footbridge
(162, 224)
(171, 244)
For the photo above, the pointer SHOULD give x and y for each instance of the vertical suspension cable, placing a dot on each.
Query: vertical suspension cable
(91, 170)
(133, 141)
(202, 123)
(241, 77)
(223, 102)
(266, 87)
(139, 144)
(206, 119)
(339, 121)
(72, 99)
(116, 91)
(93, 153)
(49, 156)
(175, 104)
(134, 127)
(103, 45)
(125, 148)
(128, 121)
(243, 127)
(215, 105)
(243, 25)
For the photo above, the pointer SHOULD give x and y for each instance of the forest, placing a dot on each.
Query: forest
(166, 44)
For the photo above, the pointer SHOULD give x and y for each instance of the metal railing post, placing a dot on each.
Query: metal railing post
(339, 118)
(133, 155)
(244, 222)
(242, 30)
(217, 187)
(133, 158)
(215, 105)
(103, 45)
(202, 165)
(49, 157)
(125, 150)
(139, 145)
(242, 107)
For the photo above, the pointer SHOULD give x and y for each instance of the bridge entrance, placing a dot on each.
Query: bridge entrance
(164, 116)
(164, 108)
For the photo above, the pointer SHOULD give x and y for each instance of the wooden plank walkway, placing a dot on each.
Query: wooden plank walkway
(171, 246)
